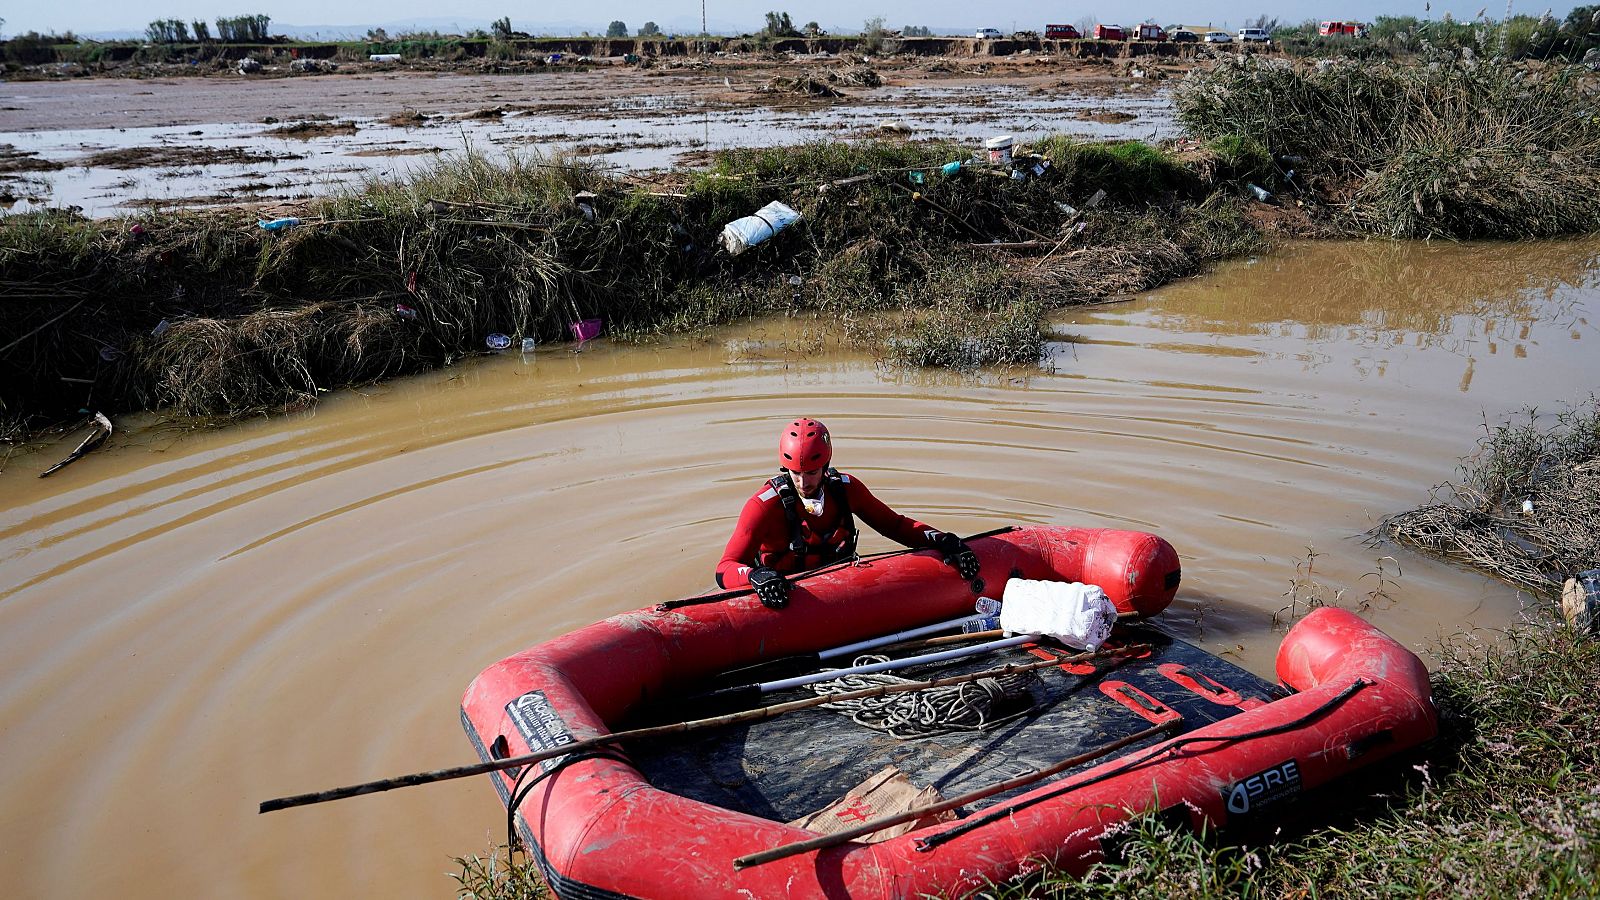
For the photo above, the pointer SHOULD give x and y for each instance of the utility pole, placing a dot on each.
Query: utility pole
(703, 26)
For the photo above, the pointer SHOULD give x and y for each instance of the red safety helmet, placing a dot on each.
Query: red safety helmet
(804, 445)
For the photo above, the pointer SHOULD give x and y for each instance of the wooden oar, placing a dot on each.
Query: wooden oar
(753, 715)
(911, 815)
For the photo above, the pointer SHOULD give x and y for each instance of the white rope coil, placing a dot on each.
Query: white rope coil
(925, 713)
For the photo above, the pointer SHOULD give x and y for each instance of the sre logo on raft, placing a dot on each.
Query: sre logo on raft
(1263, 788)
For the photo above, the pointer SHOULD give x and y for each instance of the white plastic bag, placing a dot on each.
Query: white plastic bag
(1078, 615)
(742, 234)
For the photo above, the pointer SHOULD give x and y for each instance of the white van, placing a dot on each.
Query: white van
(1254, 35)
(988, 34)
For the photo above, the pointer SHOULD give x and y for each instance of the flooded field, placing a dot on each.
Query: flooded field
(192, 622)
(133, 144)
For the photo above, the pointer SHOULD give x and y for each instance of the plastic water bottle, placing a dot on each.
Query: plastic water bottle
(989, 608)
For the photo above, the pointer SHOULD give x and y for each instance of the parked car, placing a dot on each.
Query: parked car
(1218, 37)
(1254, 36)
(1109, 33)
(1061, 33)
(1184, 36)
(988, 34)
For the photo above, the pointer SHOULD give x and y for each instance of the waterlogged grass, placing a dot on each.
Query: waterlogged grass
(1455, 147)
(199, 312)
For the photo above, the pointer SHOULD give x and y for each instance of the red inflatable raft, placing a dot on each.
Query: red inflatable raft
(668, 818)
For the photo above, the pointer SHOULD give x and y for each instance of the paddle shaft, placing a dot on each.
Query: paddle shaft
(752, 715)
(911, 815)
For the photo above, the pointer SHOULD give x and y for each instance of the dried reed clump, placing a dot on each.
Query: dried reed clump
(1526, 506)
(1458, 146)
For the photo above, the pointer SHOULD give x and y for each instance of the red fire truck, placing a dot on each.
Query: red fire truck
(1109, 33)
(1354, 29)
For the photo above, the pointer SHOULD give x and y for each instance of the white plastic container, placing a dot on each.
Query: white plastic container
(1078, 615)
(383, 57)
(999, 150)
(742, 234)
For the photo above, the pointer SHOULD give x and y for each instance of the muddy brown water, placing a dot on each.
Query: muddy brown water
(192, 622)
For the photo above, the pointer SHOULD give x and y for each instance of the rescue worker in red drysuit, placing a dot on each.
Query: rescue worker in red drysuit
(804, 517)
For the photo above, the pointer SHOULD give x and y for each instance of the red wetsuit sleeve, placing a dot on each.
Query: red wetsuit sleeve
(885, 521)
(756, 522)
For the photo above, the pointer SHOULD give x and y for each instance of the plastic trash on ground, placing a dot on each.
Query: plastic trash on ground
(1078, 615)
(999, 149)
(742, 234)
(950, 168)
(497, 342)
(586, 330)
(278, 224)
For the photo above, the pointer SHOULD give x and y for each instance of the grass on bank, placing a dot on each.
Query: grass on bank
(204, 313)
(1455, 146)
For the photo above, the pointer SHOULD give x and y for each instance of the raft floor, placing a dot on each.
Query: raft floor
(787, 767)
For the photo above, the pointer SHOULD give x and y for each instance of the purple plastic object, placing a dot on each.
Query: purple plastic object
(586, 330)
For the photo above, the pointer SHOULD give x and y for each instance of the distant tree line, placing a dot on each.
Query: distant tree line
(230, 30)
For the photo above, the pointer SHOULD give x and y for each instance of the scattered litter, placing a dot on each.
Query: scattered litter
(1580, 602)
(998, 149)
(102, 430)
(279, 224)
(529, 344)
(110, 353)
(950, 168)
(584, 200)
(1261, 193)
(497, 341)
(383, 57)
(249, 66)
(162, 327)
(804, 85)
(1066, 208)
(586, 330)
(917, 176)
(137, 232)
(1527, 507)
(405, 312)
(313, 66)
(742, 234)
(894, 126)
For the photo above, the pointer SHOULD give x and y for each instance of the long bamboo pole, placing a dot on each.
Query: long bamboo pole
(752, 715)
(911, 815)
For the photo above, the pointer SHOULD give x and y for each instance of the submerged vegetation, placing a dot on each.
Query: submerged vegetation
(1526, 506)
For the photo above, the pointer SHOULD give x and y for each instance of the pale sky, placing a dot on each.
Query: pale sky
(839, 15)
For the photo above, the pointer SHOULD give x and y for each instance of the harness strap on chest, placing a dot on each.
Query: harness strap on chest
(834, 489)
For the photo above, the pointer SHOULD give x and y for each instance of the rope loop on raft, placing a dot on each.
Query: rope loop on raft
(918, 714)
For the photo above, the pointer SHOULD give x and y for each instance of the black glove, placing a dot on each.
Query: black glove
(770, 587)
(957, 553)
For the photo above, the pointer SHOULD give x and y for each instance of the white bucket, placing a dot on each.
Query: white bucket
(999, 149)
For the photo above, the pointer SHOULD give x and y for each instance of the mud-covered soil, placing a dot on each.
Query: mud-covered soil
(169, 102)
(220, 139)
